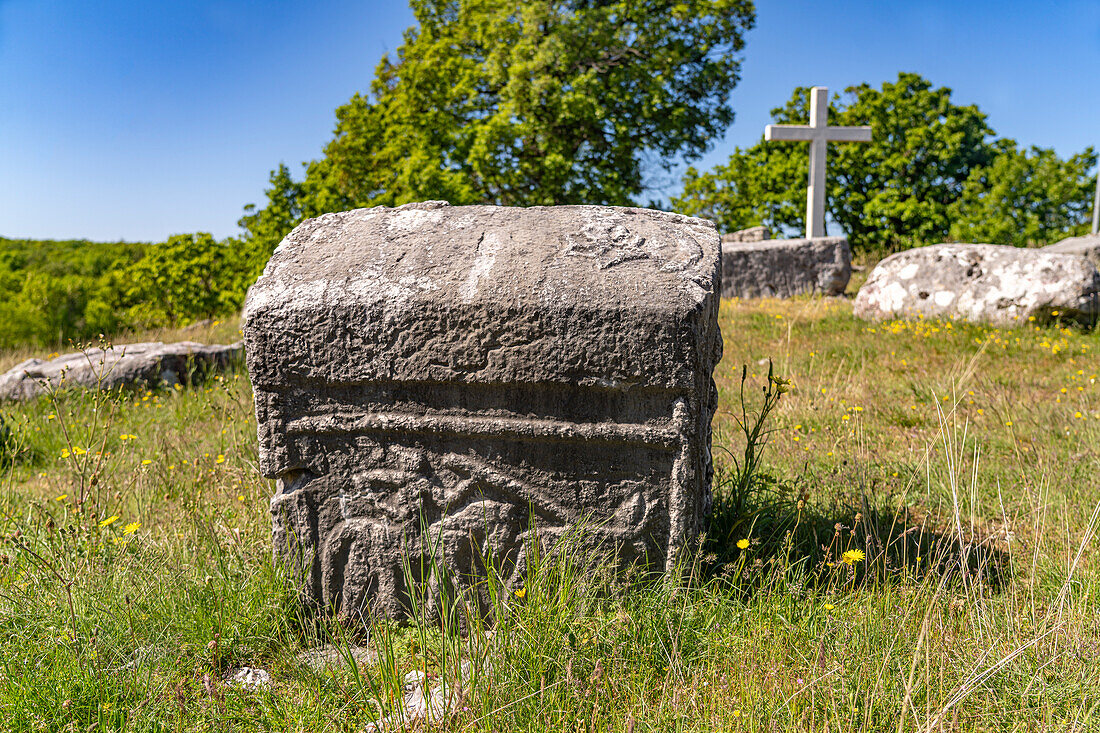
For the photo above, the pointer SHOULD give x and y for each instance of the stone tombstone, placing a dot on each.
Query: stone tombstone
(752, 234)
(457, 381)
(783, 268)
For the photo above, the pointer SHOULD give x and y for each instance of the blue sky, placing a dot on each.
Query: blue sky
(136, 120)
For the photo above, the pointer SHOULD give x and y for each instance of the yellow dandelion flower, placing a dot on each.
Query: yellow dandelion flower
(145, 462)
(220, 459)
(65, 453)
(131, 528)
(829, 607)
(63, 497)
(737, 713)
(521, 592)
(78, 451)
(743, 544)
(851, 557)
(109, 520)
(240, 497)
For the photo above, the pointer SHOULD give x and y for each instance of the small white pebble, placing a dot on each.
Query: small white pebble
(251, 678)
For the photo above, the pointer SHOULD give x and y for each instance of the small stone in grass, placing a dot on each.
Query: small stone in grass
(250, 678)
(331, 657)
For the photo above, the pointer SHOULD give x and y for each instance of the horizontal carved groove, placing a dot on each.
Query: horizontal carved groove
(622, 404)
(514, 428)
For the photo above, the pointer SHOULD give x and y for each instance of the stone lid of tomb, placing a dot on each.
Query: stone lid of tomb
(484, 293)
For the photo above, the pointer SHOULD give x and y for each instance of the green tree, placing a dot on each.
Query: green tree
(892, 193)
(53, 305)
(524, 103)
(267, 226)
(1025, 197)
(187, 278)
(51, 291)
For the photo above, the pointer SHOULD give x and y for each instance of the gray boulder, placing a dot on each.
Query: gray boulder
(752, 234)
(981, 283)
(121, 365)
(1088, 246)
(449, 384)
(781, 268)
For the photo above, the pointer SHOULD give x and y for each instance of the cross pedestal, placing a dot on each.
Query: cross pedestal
(819, 135)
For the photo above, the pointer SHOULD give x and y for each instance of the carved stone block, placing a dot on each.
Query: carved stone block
(783, 268)
(752, 234)
(460, 380)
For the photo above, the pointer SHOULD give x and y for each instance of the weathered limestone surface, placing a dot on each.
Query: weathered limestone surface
(120, 365)
(752, 234)
(982, 283)
(456, 377)
(1088, 246)
(780, 268)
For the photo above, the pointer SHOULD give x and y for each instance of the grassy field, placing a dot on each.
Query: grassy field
(916, 551)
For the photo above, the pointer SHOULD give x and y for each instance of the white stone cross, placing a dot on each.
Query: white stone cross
(819, 135)
(1096, 206)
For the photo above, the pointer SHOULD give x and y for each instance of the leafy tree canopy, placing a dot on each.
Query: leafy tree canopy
(524, 103)
(933, 170)
(53, 291)
(187, 278)
(1025, 197)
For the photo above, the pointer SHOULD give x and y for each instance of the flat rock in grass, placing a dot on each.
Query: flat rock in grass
(981, 283)
(442, 386)
(331, 657)
(1088, 246)
(781, 268)
(117, 366)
